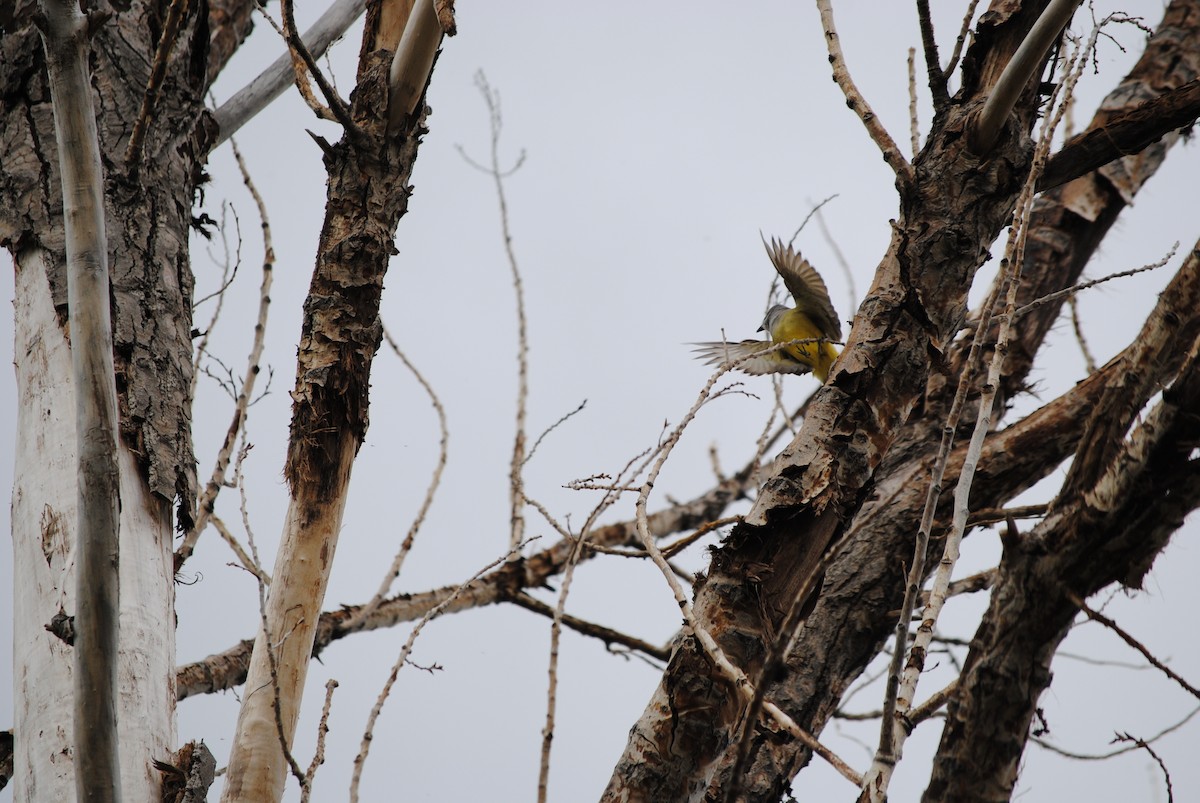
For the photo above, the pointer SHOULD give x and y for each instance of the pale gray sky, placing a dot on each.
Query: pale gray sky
(659, 140)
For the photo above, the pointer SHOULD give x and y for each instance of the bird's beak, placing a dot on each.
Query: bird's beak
(762, 328)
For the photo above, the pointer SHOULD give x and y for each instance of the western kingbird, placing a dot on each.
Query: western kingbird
(811, 319)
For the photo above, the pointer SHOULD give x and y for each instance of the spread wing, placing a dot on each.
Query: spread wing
(806, 287)
(777, 362)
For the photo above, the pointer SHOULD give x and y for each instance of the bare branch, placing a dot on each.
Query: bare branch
(1040, 742)
(1125, 737)
(963, 30)
(341, 111)
(413, 60)
(319, 754)
(1096, 616)
(1127, 133)
(1089, 362)
(376, 709)
(857, 103)
(208, 498)
(166, 40)
(244, 559)
(434, 482)
(96, 546)
(914, 129)
(272, 658)
(1020, 69)
(515, 479)
(605, 634)
(559, 612)
(933, 66)
(270, 84)
(562, 420)
(1076, 288)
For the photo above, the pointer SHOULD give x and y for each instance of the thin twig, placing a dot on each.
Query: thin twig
(338, 106)
(133, 153)
(1040, 742)
(229, 271)
(931, 706)
(673, 549)
(1089, 362)
(584, 627)
(516, 482)
(1096, 616)
(914, 130)
(991, 515)
(962, 39)
(980, 581)
(557, 617)
(435, 481)
(921, 713)
(857, 103)
(562, 420)
(376, 709)
(937, 78)
(208, 498)
(813, 212)
(1076, 288)
(1143, 745)
(843, 263)
(322, 732)
(299, 75)
(732, 674)
(243, 558)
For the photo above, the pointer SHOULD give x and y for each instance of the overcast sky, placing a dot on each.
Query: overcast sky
(659, 140)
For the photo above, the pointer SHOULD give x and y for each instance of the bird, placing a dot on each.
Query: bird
(811, 319)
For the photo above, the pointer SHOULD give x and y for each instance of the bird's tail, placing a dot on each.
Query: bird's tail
(719, 353)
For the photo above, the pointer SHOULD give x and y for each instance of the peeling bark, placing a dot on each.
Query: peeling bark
(148, 215)
(1106, 527)
(368, 192)
(949, 216)
(850, 621)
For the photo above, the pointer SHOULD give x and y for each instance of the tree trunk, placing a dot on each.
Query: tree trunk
(43, 515)
(851, 471)
(148, 212)
(368, 192)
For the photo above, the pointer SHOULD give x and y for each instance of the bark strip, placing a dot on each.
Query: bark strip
(97, 551)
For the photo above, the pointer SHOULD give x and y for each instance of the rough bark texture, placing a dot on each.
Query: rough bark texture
(851, 621)
(148, 214)
(1101, 530)
(949, 216)
(851, 618)
(368, 192)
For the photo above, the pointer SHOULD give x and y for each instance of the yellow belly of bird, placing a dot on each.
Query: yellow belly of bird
(795, 325)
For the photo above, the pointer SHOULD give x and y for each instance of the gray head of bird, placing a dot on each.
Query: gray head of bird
(773, 315)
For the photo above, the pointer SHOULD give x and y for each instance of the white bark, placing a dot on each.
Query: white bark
(413, 61)
(44, 510)
(257, 766)
(97, 546)
(270, 84)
